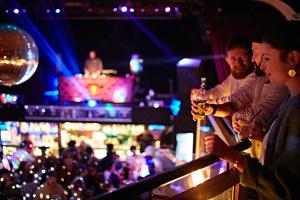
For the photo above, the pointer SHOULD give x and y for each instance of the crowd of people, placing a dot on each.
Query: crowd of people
(77, 173)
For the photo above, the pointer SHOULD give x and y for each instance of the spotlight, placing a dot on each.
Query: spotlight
(48, 11)
(57, 10)
(115, 9)
(131, 10)
(16, 11)
(156, 10)
(124, 9)
(91, 103)
(167, 9)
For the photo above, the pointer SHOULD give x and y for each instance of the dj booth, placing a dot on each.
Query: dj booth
(103, 88)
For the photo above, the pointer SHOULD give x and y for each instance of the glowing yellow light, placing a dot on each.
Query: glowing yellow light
(197, 177)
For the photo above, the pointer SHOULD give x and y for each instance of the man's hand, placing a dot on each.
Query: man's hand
(214, 145)
(198, 94)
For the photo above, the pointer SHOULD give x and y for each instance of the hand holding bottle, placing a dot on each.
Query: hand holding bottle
(198, 101)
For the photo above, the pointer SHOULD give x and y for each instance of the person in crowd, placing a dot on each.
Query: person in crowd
(110, 157)
(166, 157)
(238, 57)
(145, 139)
(111, 179)
(272, 176)
(94, 180)
(167, 138)
(134, 163)
(51, 189)
(24, 153)
(73, 149)
(25, 175)
(79, 189)
(151, 165)
(93, 65)
(8, 188)
(67, 171)
(27, 144)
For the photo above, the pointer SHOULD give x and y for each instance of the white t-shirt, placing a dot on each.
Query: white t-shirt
(221, 93)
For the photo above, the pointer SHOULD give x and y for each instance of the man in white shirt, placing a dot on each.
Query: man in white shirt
(238, 57)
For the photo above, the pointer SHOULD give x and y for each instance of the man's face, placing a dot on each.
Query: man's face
(256, 51)
(239, 62)
(257, 58)
(51, 181)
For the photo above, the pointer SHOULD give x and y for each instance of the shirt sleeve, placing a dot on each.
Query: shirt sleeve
(220, 90)
(232, 90)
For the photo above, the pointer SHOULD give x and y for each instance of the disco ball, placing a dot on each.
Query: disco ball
(19, 55)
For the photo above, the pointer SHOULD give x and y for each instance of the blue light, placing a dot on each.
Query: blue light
(152, 127)
(51, 93)
(57, 10)
(108, 106)
(175, 106)
(55, 82)
(206, 129)
(91, 103)
(3, 126)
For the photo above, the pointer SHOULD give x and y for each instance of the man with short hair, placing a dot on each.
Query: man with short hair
(238, 57)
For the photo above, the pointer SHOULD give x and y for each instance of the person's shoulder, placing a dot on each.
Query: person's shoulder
(253, 77)
(229, 78)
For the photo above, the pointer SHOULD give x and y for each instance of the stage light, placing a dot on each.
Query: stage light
(189, 62)
(51, 93)
(91, 103)
(119, 95)
(77, 99)
(6, 11)
(57, 10)
(167, 9)
(16, 11)
(156, 105)
(131, 10)
(124, 9)
(156, 10)
(48, 11)
(175, 106)
(136, 64)
(115, 9)
(8, 98)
